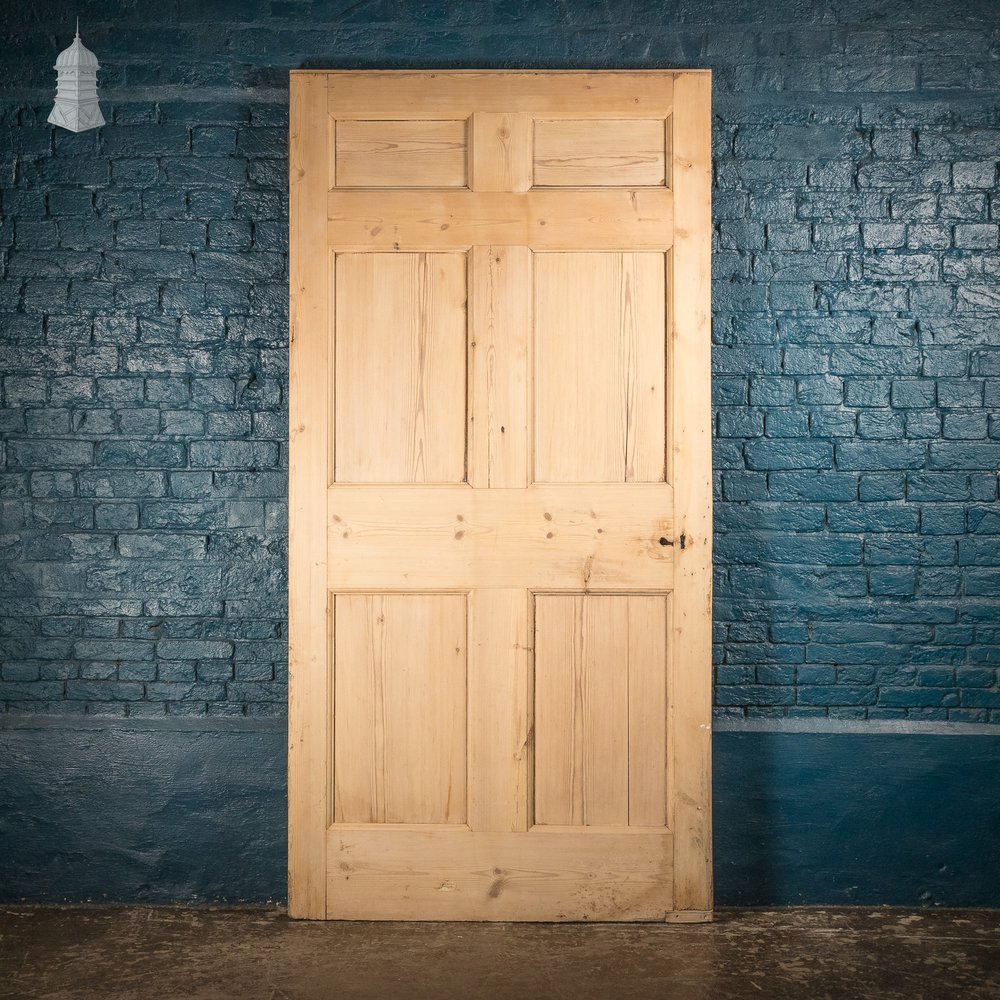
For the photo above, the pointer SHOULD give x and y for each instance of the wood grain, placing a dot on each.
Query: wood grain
(500, 686)
(554, 219)
(556, 537)
(581, 710)
(600, 710)
(400, 682)
(406, 154)
(437, 873)
(460, 93)
(609, 153)
(649, 669)
(691, 454)
(460, 336)
(600, 358)
(309, 420)
(499, 350)
(400, 364)
(500, 154)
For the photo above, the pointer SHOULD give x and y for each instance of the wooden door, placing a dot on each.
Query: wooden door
(500, 496)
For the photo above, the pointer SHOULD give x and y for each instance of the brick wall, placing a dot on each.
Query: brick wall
(143, 340)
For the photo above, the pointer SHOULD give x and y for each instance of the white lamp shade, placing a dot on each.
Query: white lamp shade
(76, 106)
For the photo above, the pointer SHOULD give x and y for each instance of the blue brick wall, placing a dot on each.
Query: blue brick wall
(143, 340)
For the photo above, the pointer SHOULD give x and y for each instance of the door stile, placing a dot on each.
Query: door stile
(309, 427)
(691, 465)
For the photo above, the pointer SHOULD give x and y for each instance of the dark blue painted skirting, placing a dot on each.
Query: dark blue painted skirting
(131, 815)
(850, 818)
(192, 816)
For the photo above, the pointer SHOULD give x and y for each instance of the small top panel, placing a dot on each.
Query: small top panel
(581, 152)
(413, 153)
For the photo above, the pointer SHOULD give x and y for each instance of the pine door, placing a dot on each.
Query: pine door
(500, 496)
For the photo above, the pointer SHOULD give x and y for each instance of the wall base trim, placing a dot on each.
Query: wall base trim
(108, 813)
(857, 727)
(82, 723)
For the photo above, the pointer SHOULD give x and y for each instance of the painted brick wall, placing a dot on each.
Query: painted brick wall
(143, 318)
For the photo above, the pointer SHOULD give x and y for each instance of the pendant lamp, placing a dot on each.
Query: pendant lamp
(76, 105)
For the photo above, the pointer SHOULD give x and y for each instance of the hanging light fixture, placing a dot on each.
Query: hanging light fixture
(76, 105)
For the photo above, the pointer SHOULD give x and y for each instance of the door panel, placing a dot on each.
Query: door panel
(605, 153)
(600, 367)
(601, 677)
(400, 154)
(581, 710)
(500, 496)
(400, 337)
(400, 752)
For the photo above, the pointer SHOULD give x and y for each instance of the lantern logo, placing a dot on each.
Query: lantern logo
(76, 105)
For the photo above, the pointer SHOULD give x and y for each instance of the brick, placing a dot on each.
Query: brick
(877, 486)
(883, 235)
(116, 516)
(767, 455)
(850, 360)
(183, 233)
(961, 455)
(913, 392)
(792, 266)
(205, 516)
(868, 518)
(965, 206)
(229, 234)
(190, 649)
(923, 424)
(967, 426)
(213, 140)
(816, 486)
(740, 422)
(786, 423)
(180, 692)
(104, 690)
(161, 546)
(976, 236)
(985, 363)
(879, 455)
(916, 697)
(255, 692)
(892, 581)
(840, 694)
(140, 454)
(893, 144)
(913, 176)
(754, 695)
(963, 392)
(820, 390)
(254, 265)
(929, 236)
(50, 454)
(880, 424)
(113, 649)
(263, 142)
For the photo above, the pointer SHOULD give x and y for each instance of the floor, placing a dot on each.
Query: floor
(113, 954)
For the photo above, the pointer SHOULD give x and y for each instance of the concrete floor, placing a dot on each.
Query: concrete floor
(160, 954)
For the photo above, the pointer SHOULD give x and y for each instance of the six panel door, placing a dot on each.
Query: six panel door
(500, 496)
